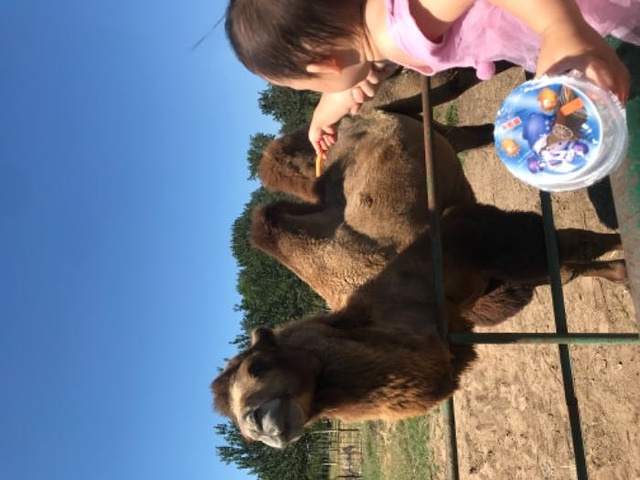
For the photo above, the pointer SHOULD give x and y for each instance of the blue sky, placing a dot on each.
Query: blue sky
(122, 168)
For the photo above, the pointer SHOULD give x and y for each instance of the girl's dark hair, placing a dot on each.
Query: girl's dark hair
(279, 38)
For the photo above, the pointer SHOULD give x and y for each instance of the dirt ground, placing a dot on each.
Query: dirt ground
(512, 420)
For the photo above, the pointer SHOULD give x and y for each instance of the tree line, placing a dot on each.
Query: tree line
(270, 296)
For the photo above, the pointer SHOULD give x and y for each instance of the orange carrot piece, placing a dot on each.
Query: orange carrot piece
(319, 164)
(572, 106)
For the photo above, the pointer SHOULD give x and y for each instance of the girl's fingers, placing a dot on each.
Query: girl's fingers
(377, 75)
(322, 139)
(363, 91)
(601, 78)
(373, 77)
(609, 74)
(358, 95)
(610, 78)
(368, 89)
(315, 143)
(624, 85)
(329, 140)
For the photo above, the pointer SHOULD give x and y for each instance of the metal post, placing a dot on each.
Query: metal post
(561, 327)
(626, 188)
(448, 410)
(625, 181)
(470, 338)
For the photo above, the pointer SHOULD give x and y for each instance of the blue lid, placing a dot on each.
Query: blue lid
(548, 132)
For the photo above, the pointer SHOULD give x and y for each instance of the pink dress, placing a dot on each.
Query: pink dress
(486, 33)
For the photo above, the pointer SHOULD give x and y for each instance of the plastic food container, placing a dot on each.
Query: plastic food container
(561, 133)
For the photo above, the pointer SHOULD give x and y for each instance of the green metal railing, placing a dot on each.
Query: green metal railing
(469, 338)
(625, 181)
(626, 189)
(436, 257)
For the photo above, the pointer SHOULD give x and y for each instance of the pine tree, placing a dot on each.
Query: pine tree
(271, 295)
(291, 108)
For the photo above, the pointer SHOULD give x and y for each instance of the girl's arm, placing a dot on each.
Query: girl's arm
(333, 106)
(568, 42)
(539, 15)
(330, 109)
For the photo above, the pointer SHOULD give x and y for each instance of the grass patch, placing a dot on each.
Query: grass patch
(451, 117)
(447, 114)
(463, 156)
(398, 451)
(372, 448)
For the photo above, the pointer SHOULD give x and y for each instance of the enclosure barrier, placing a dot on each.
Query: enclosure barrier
(343, 449)
(626, 189)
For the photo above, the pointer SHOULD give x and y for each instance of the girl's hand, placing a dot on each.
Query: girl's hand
(322, 138)
(333, 106)
(330, 109)
(368, 87)
(566, 47)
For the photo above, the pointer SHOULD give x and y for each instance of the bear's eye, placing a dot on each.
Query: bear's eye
(258, 367)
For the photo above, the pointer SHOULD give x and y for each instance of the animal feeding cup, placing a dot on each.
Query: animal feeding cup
(561, 133)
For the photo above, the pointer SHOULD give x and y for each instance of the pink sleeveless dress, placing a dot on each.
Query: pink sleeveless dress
(486, 33)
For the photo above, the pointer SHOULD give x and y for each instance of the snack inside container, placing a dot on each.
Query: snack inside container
(561, 133)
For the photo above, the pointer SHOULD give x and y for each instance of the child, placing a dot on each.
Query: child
(339, 47)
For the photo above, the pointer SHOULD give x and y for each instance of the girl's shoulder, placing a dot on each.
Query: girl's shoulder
(482, 34)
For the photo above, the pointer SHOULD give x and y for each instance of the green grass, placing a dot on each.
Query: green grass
(372, 447)
(451, 117)
(448, 115)
(400, 452)
(463, 156)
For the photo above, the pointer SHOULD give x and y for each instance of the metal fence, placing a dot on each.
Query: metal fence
(627, 195)
(341, 448)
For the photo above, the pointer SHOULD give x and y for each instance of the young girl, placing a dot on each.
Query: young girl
(339, 47)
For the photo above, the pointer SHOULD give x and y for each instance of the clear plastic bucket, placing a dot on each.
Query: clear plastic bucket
(561, 133)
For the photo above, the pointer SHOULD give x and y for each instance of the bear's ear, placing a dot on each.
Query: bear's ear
(263, 338)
